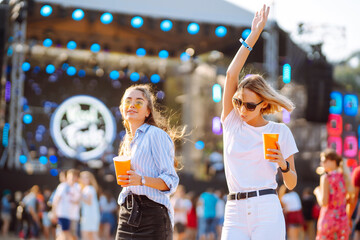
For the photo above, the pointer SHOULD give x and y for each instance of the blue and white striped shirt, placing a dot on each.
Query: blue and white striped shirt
(152, 155)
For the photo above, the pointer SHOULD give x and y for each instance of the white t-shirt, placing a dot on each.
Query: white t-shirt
(291, 202)
(246, 168)
(90, 211)
(69, 204)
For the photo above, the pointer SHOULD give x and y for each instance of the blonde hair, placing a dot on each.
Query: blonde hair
(276, 102)
(155, 118)
(331, 154)
(92, 179)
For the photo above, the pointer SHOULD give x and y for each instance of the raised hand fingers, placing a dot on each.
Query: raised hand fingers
(276, 156)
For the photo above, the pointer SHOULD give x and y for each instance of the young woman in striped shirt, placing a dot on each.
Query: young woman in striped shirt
(145, 211)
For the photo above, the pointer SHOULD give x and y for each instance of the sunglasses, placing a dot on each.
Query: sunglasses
(138, 104)
(248, 105)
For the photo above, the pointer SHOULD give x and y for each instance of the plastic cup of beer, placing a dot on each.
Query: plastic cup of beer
(269, 140)
(122, 166)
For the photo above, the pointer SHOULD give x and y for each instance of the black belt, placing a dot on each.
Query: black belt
(243, 195)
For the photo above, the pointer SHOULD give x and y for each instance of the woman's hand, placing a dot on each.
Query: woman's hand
(260, 19)
(132, 179)
(277, 157)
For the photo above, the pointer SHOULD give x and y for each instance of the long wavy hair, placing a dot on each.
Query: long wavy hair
(155, 118)
(276, 102)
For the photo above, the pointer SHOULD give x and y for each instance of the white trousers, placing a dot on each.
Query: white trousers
(256, 218)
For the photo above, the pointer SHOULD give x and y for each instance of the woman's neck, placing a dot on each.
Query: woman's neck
(257, 122)
(134, 126)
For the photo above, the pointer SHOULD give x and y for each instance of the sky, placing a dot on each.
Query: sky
(334, 22)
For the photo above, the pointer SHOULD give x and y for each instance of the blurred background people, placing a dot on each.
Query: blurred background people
(108, 207)
(192, 223)
(31, 218)
(182, 206)
(6, 207)
(308, 203)
(90, 211)
(208, 200)
(333, 196)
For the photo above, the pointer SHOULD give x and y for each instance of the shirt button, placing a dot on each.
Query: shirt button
(249, 213)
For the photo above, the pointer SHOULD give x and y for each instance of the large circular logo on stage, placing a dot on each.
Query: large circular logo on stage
(82, 127)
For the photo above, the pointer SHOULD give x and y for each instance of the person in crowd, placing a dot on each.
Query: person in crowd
(90, 211)
(31, 217)
(209, 200)
(66, 205)
(149, 140)
(253, 210)
(49, 231)
(333, 195)
(294, 218)
(308, 203)
(108, 207)
(6, 212)
(220, 212)
(181, 206)
(18, 212)
(356, 183)
(191, 223)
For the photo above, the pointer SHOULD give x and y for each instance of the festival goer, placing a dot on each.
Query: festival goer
(31, 217)
(90, 211)
(208, 200)
(66, 205)
(253, 210)
(149, 140)
(5, 212)
(332, 195)
(181, 207)
(192, 224)
(108, 207)
(355, 178)
(308, 203)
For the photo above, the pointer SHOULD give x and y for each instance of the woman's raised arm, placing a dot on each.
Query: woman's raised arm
(232, 74)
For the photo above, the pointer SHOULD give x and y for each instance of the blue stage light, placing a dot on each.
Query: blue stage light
(137, 22)
(22, 159)
(47, 42)
(216, 126)
(163, 54)
(5, 137)
(53, 159)
(50, 69)
(199, 145)
(26, 66)
(81, 73)
(184, 57)
(27, 119)
(95, 48)
(106, 18)
(166, 25)
(141, 52)
(245, 33)
(46, 10)
(193, 28)
(54, 172)
(71, 71)
(155, 78)
(10, 51)
(71, 45)
(286, 73)
(78, 14)
(216, 92)
(134, 76)
(43, 160)
(114, 75)
(220, 31)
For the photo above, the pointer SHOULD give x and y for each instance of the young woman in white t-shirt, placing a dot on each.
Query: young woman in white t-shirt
(253, 210)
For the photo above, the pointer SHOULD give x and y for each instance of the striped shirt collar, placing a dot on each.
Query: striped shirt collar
(143, 127)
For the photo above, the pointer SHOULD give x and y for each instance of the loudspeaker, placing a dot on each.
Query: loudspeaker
(319, 83)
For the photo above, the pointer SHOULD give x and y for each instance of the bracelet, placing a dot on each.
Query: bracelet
(245, 44)
(287, 167)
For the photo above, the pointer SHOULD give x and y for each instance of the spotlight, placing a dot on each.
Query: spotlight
(54, 172)
(50, 69)
(23, 159)
(245, 33)
(71, 45)
(141, 52)
(27, 119)
(53, 159)
(220, 31)
(46, 10)
(184, 57)
(95, 48)
(106, 18)
(199, 145)
(137, 22)
(193, 28)
(216, 126)
(155, 78)
(78, 14)
(114, 75)
(134, 77)
(166, 25)
(43, 160)
(81, 73)
(71, 71)
(47, 42)
(163, 54)
(26, 66)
